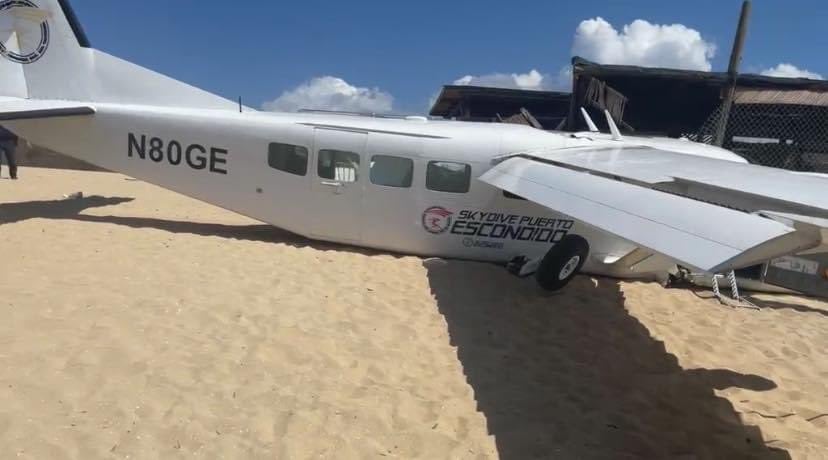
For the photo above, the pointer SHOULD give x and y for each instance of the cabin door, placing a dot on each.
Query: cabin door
(339, 175)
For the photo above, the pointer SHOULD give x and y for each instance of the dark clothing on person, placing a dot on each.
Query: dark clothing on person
(8, 145)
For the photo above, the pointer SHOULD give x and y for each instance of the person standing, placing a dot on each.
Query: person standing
(8, 146)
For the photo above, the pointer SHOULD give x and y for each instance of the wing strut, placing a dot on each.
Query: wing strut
(589, 122)
(616, 133)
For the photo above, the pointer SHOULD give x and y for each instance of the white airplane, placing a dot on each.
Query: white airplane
(548, 203)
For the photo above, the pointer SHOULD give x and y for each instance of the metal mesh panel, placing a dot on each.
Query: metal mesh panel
(784, 136)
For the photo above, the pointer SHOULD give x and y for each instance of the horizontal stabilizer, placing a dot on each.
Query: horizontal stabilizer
(12, 109)
(698, 235)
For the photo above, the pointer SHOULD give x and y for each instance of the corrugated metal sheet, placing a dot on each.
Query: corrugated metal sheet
(605, 97)
(782, 97)
(608, 73)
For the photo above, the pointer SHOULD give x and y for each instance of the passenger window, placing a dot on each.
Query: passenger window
(512, 196)
(391, 171)
(446, 176)
(338, 165)
(288, 158)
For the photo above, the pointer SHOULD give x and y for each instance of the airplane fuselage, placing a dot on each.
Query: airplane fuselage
(401, 185)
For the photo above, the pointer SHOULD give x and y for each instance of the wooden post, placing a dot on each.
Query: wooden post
(733, 73)
(571, 118)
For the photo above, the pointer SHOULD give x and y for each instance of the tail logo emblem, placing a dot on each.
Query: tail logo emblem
(24, 31)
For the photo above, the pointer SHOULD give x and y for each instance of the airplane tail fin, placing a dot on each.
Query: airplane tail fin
(45, 54)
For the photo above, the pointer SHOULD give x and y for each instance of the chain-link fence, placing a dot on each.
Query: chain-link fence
(784, 136)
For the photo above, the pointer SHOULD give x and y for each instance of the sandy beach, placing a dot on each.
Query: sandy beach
(138, 323)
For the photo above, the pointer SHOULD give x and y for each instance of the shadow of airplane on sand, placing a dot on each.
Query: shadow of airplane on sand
(71, 209)
(54, 209)
(553, 379)
(781, 304)
(557, 380)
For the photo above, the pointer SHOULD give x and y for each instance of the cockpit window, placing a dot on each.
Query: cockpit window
(447, 176)
(289, 158)
(338, 165)
(390, 171)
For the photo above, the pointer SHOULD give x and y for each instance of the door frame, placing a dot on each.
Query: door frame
(327, 195)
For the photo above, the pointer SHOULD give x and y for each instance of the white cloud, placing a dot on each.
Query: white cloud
(332, 93)
(532, 80)
(645, 44)
(790, 71)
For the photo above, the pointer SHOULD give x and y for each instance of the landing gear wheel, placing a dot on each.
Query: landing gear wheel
(562, 263)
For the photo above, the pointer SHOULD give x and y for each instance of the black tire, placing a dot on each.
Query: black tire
(556, 269)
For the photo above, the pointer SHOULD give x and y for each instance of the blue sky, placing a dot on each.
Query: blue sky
(407, 50)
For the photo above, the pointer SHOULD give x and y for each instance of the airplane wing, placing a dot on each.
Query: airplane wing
(707, 214)
(680, 172)
(25, 109)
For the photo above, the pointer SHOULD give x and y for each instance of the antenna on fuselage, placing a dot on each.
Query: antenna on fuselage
(589, 122)
(616, 134)
(240, 105)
